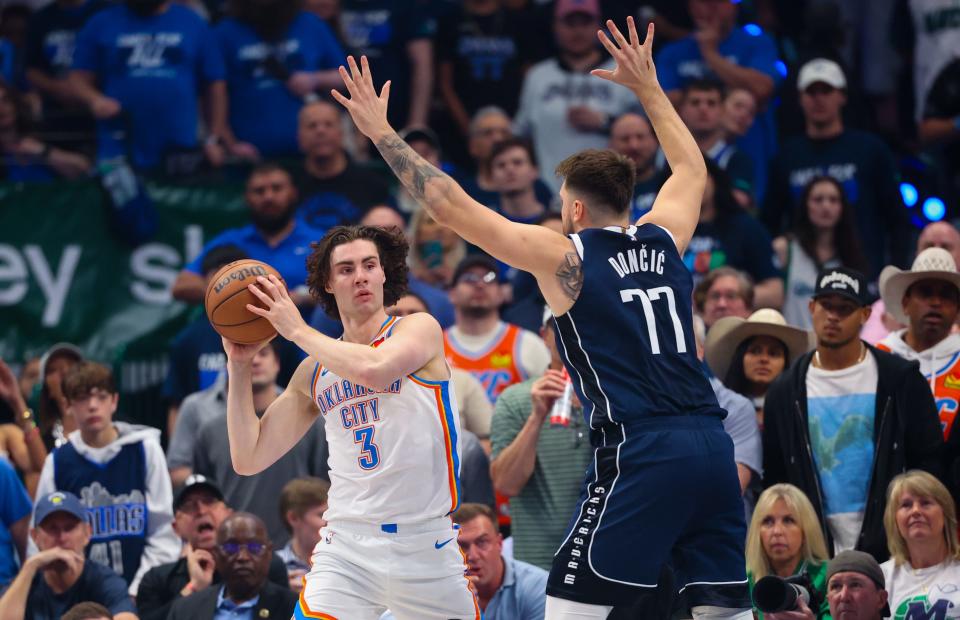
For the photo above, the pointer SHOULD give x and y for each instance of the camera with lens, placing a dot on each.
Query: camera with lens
(773, 594)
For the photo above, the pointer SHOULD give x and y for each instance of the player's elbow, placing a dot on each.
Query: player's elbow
(243, 466)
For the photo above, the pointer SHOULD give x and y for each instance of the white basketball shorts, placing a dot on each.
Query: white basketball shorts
(360, 570)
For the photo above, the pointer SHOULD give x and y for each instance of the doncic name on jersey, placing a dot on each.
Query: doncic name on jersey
(638, 260)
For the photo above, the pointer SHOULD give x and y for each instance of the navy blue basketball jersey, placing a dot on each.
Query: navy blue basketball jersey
(628, 340)
(114, 494)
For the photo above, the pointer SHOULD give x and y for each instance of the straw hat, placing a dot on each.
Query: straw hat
(931, 264)
(729, 332)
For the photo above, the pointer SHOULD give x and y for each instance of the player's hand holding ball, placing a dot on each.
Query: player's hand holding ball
(276, 306)
(240, 310)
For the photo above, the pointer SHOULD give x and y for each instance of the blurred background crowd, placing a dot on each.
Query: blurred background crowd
(144, 144)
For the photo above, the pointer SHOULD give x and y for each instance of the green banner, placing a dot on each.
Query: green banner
(64, 276)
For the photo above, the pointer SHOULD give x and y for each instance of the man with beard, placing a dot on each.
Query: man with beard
(138, 67)
(242, 556)
(846, 418)
(198, 510)
(273, 236)
(277, 56)
(926, 299)
(498, 354)
(632, 136)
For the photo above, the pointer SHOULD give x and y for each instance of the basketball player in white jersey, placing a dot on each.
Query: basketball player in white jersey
(384, 395)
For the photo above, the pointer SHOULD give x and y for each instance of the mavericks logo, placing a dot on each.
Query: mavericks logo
(919, 608)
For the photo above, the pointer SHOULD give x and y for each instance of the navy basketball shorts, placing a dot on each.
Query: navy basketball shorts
(660, 492)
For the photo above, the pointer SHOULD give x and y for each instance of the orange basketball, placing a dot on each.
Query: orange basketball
(227, 298)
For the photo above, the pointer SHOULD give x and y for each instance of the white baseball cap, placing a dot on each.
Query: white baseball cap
(821, 70)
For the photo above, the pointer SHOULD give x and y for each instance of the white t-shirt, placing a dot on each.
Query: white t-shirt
(841, 407)
(932, 592)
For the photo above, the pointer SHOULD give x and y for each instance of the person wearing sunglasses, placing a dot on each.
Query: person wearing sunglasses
(242, 555)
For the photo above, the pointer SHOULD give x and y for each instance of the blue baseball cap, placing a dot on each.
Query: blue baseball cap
(59, 501)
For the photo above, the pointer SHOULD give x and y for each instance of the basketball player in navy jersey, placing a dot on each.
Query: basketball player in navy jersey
(663, 488)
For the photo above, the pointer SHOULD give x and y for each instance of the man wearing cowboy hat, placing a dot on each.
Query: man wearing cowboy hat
(846, 418)
(926, 299)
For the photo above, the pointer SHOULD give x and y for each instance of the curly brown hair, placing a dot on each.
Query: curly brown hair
(391, 245)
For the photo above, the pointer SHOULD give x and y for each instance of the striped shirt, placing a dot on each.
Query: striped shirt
(542, 510)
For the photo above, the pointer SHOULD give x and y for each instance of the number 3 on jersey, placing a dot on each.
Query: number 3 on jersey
(647, 297)
(369, 452)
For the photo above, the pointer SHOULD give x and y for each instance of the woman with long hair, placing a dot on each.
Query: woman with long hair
(924, 566)
(785, 539)
(52, 418)
(748, 354)
(825, 235)
(24, 157)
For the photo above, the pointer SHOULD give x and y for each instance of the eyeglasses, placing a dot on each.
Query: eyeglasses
(233, 548)
(192, 506)
(478, 278)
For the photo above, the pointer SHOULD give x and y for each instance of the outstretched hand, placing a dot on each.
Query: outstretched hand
(367, 109)
(635, 68)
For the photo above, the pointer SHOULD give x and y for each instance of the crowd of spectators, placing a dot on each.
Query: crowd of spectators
(826, 298)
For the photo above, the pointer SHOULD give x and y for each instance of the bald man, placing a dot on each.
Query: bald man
(940, 235)
(242, 556)
(334, 189)
(632, 136)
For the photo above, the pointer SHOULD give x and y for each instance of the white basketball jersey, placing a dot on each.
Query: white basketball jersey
(394, 452)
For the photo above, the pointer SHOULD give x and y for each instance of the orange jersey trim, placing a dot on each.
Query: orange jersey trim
(447, 443)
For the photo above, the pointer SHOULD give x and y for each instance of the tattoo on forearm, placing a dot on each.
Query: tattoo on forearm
(570, 275)
(412, 170)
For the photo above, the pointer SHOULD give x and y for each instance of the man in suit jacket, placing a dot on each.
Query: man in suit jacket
(242, 556)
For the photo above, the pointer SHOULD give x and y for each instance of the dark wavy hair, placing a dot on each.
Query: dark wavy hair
(391, 245)
(736, 378)
(846, 241)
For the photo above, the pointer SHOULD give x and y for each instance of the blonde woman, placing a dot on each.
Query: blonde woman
(923, 571)
(785, 539)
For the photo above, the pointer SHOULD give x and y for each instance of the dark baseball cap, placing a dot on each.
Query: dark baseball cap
(476, 260)
(848, 283)
(192, 483)
(59, 501)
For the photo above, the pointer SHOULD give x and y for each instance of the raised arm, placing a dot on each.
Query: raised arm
(256, 444)
(535, 249)
(677, 207)
(416, 344)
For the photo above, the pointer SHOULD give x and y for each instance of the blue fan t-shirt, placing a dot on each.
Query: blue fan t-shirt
(153, 66)
(682, 62)
(263, 111)
(841, 408)
(16, 505)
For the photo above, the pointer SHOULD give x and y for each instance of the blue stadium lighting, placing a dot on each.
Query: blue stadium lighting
(753, 30)
(934, 209)
(781, 68)
(909, 193)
